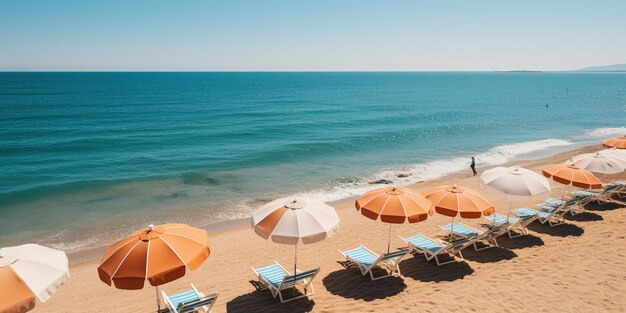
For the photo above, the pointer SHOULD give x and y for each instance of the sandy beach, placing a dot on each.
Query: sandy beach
(575, 267)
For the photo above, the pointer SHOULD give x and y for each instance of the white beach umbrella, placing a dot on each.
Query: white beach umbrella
(295, 220)
(615, 153)
(515, 181)
(27, 272)
(598, 163)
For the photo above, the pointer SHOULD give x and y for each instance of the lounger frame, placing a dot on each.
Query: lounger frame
(204, 302)
(452, 249)
(387, 261)
(289, 281)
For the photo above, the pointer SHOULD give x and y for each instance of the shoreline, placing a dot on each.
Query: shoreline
(587, 279)
(228, 225)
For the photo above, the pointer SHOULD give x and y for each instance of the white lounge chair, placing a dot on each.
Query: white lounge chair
(569, 205)
(554, 217)
(277, 279)
(432, 248)
(599, 196)
(463, 231)
(512, 223)
(367, 260)
(189, 301)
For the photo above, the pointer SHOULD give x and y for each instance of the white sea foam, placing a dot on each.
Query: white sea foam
(435, 169)
(606, 132)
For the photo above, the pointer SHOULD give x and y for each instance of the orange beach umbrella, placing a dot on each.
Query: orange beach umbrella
(158, 254)
(616, 142)
(394, 205)
(568, 174)
(452, 201)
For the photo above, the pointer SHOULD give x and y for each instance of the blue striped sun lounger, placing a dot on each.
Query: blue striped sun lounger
(554, 217)
(460, 230)
(432, 248)
(189, 301)
(367, 260)
(511, 223)
(277, 279)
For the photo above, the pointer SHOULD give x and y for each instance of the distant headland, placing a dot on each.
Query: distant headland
(604, 68)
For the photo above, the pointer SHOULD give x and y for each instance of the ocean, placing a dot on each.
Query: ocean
(88, 157)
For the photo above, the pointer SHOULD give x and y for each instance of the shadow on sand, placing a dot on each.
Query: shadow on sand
(349, 283)
(427, 271)
(594, 206)
(493, 254)
(261, 300)
(521, 242)
(584, 217)
(562, 230)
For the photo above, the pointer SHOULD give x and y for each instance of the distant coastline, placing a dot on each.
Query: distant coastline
(604, 68)
(519, 71)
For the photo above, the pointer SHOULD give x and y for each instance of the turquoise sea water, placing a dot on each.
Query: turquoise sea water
(87, 157)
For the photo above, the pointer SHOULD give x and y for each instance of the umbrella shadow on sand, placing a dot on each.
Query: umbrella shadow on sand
(418, 268)
(349, 283)
(562, 230)
(261, 300)
(521, 242)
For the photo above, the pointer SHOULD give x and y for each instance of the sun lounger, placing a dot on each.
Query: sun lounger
(573, 206)
(367, 260)
(622, 191)
(277, 279)
(432, 248)
(553, 202)
(554, 217)
(599, 196)
(189, 301)
(512, 223)
(463, 231)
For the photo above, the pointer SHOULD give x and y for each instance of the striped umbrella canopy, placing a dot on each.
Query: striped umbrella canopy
(453, 200)
(27, 272)
(159, 254)
(295, 220)
(394, 205)
(568, 174)
(599, 163)
(617, 142)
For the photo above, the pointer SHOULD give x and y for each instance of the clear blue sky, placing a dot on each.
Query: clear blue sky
(310, 35)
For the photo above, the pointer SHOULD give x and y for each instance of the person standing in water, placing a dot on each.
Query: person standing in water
(473, 165)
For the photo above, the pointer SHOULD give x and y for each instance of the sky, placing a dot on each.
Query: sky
(316, 35)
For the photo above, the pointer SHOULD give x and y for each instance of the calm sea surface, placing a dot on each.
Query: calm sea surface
(88, 157)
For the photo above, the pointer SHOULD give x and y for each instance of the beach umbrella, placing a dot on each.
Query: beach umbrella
(27, 272)
(159, 254)
(599, 163)
(572, 175)
(515, 181)
(394, 205)
(455, 201)
(617, 142)
(295, 220)
(615, 153)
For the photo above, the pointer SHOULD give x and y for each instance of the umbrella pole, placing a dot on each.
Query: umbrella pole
(452, 229)
(295, 267)
(389, 240)
(158, 299)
